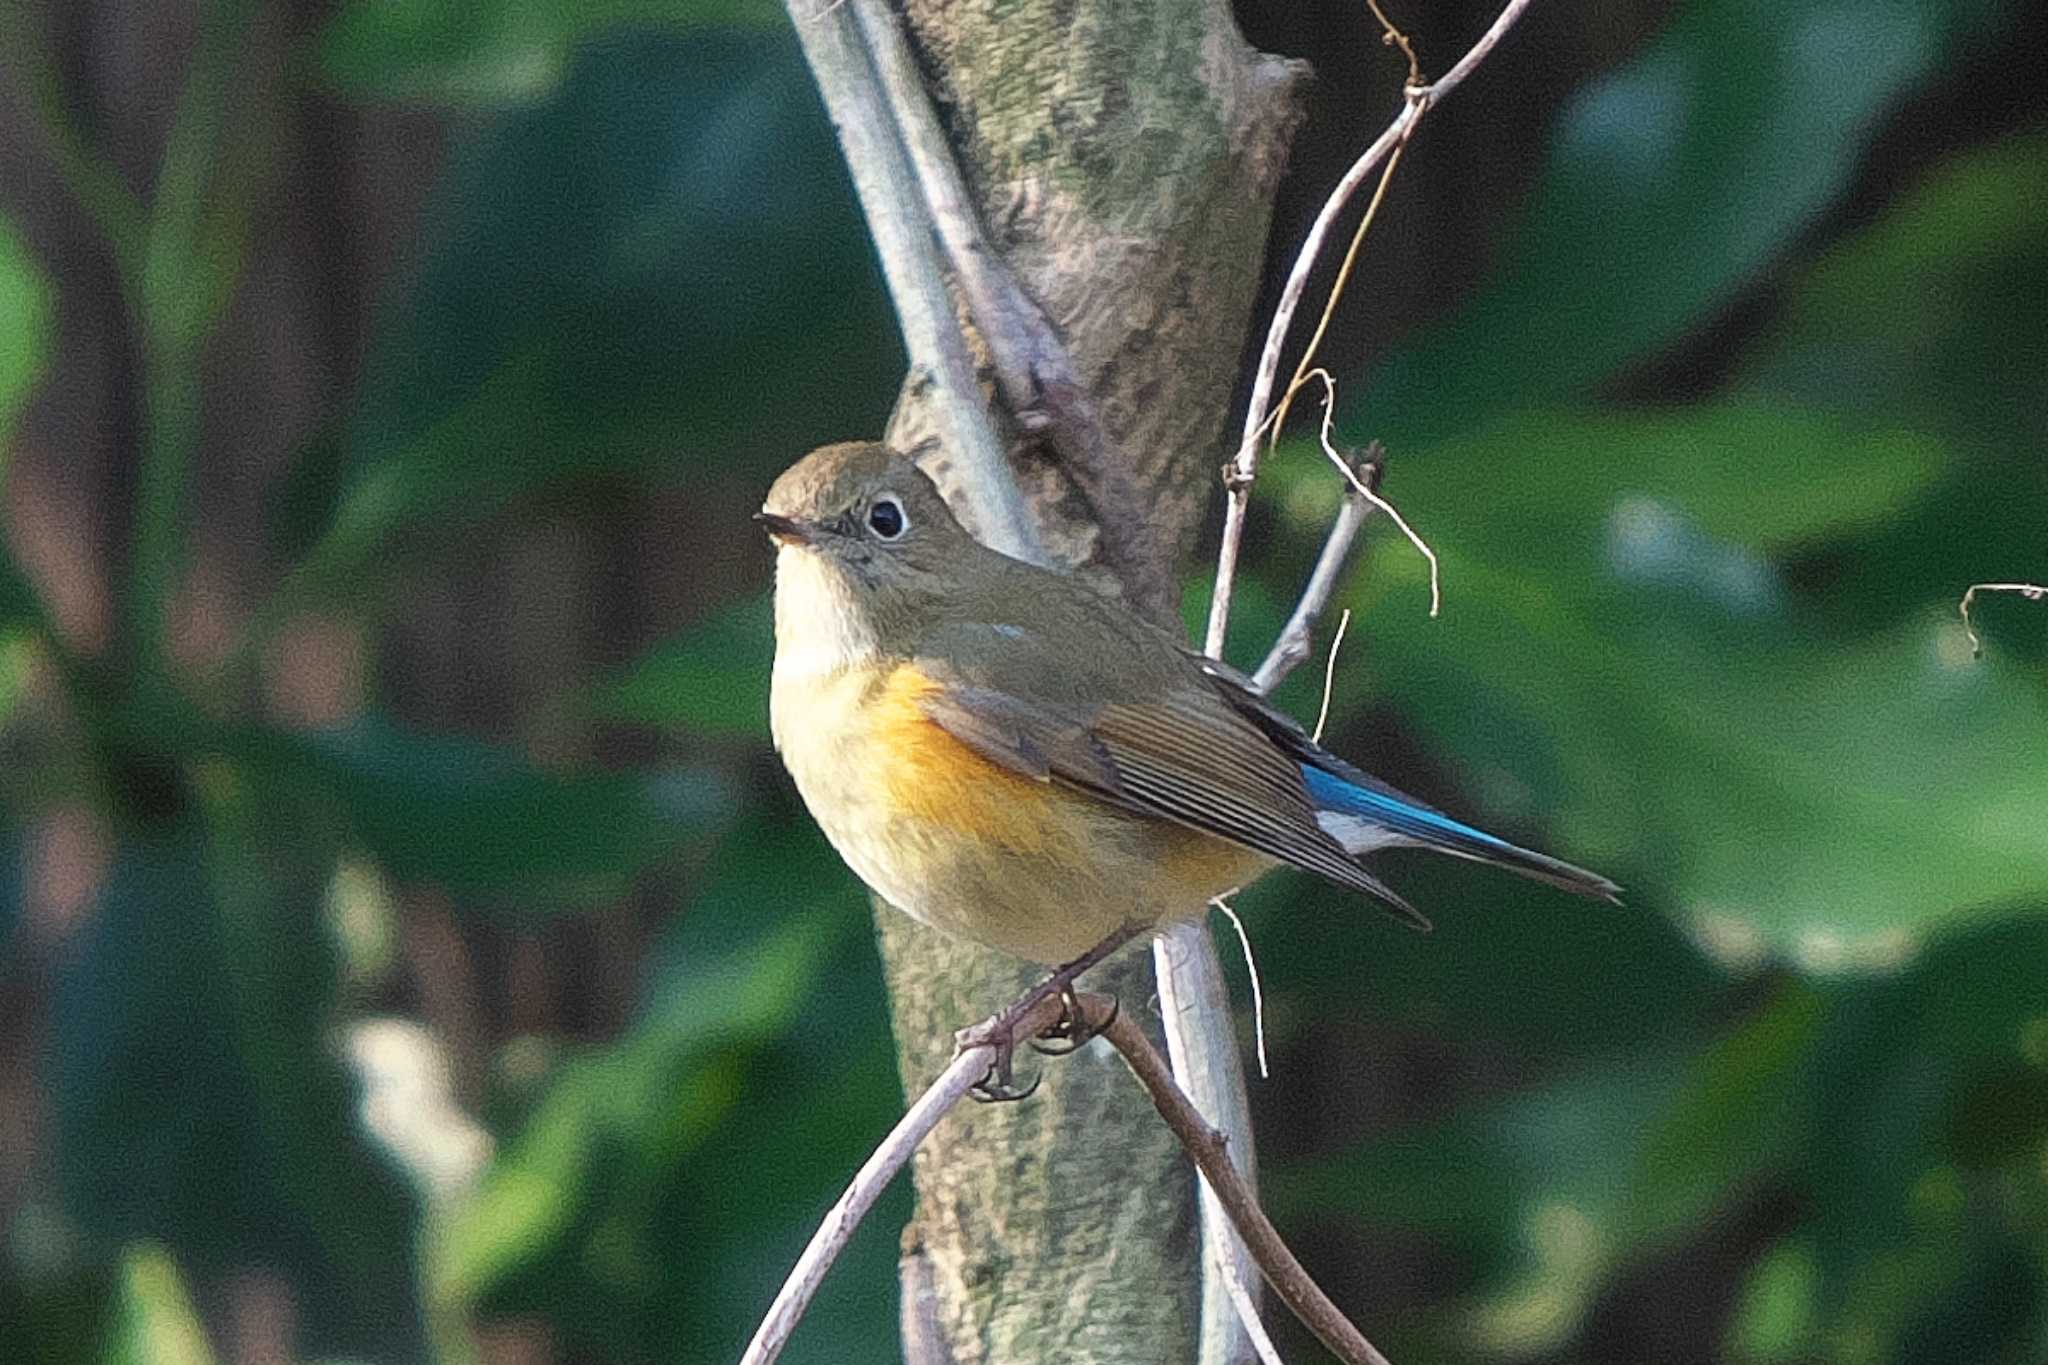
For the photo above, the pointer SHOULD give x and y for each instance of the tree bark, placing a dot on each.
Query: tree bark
(1123, 155)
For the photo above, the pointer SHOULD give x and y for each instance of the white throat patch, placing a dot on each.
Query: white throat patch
(819, 631)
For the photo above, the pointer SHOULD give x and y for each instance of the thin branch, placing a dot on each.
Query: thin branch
(1033, 370)
(1293, 644)
(924, 1337)
(977, 1050)
(1201, 1042)
(1278, 1264)
(1371, 495)
(1251, 971)
(1393, 37)
(1344, 269)
(1240, 472)
(891, 200)
(1330, 675)
(1243, 468)
(2033, 592)
(968, 1066)
(991, 298)
(1248, 1314)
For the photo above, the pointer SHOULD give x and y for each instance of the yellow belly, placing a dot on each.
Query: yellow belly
(1029, 867)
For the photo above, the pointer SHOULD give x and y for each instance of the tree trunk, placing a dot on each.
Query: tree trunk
(1123, 155)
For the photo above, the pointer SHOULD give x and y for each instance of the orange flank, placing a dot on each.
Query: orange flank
(933, 779)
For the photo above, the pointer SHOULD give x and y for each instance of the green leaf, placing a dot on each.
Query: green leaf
(157, 1324)
(1760, 473)
(1527, 1191)
(149, 1104)
(54, 1314)
(493, 52)
(26, 319)
(1746, 1108)
(708, 679)
(1898, 1119)
(1914, 318)
(196, 1097)
(476, 818)
(1776, 1314)
(1716, 644)
(1933, 318)
(1924, 1166)
(756, 1077)
(1825, 799)
(1671, 182)
(599, 305)
(1619, 653)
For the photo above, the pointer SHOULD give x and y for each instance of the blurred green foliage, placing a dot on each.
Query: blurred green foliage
(1707, 644)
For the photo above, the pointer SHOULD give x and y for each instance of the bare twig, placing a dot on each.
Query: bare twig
(1372, 495)
(1394, 38)
(1330, 675)
(1206, 1146)
(976, 1050)
(2033, 592)
(1243, 468)
(891, 200)
(924, 1338)
(1194, 1014)
(1195, 1018)
(979, 1049)
(969, 1065)
(1292, 645)
(1248, 1314)
(1251, 971)
(1033, 369)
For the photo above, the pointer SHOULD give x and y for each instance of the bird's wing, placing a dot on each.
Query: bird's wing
(1339, 786)
(1178, 753)
(1242, 696)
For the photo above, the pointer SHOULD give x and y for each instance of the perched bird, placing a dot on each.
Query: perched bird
(1015, 757)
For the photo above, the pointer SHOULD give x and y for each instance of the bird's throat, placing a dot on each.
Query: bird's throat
(820, 628)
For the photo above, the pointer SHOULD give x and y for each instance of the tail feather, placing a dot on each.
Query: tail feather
(1364, 818)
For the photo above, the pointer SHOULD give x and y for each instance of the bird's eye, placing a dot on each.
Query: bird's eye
(886, 519)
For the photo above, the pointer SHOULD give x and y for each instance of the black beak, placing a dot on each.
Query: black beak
(785, 530)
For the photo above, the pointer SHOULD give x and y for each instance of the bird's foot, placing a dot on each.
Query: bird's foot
(999, 1086)
(1073, 1030)
(1066, 1033)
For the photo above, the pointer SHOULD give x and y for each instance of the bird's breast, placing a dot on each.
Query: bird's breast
(1031, 867)
(872, 765)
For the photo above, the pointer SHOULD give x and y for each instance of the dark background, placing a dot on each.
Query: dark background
(410, 949)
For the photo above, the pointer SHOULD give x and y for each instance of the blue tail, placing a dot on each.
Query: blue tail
(1364, 817)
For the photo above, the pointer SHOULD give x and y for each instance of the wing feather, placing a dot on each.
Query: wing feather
(1187, 757)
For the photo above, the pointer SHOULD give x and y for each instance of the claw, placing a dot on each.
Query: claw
(999, 1086)
(1071, 1032)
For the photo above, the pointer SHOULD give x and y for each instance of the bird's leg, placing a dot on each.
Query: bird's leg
(1000, 1030)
